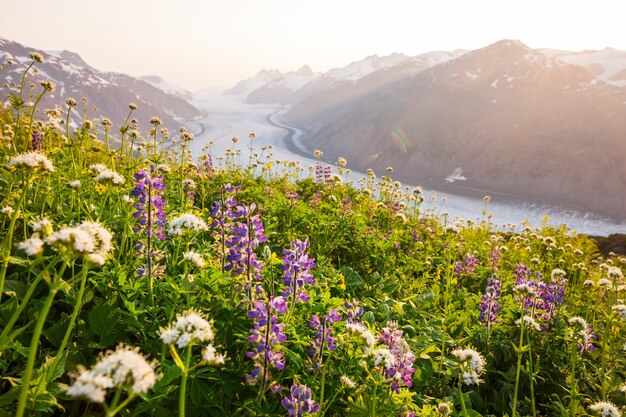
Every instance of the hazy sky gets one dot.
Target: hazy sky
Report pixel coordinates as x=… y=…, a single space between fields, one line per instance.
x=202 y=43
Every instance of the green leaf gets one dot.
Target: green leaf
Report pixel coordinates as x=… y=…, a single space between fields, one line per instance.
x=102 y=319
x=15 y=288
x=56 y=332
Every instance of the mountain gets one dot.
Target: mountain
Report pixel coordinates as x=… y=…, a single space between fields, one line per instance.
x=167 y=87
x=111 y=92
x=272 y=86
x=504 y=118
x=607 y=64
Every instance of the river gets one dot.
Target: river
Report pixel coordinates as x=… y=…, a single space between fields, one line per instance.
x=229 y=116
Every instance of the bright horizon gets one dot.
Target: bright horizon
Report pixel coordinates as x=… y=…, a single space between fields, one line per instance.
x=197 y=44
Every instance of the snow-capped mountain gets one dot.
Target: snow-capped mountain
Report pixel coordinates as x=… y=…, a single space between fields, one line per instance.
x=167 y=86
x=111 y=92
x=509 y=118
x=608 y=64
x=271 y=86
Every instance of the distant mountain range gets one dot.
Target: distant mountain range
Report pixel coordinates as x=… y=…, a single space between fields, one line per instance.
x=537 y=124
x=543 y=125
x=110 y=92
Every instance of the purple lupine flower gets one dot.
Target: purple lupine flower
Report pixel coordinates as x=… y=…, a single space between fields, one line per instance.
x=246 y=236
x=489 y=302
x=222 y=215
x=266 y=334
x=494 y=257
x=467 y=266
x=292 y=197
x=296 y=269
x=401 y=371
x=37 y=140
x=545 y=298
x=521 y=272
x=150 y=204
x=323 y=336
x=150 y=217
x=300 y=401
x=354 y=312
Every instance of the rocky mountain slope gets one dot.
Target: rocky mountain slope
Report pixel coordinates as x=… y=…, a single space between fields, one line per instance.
x=110 y=92
x=505 y=117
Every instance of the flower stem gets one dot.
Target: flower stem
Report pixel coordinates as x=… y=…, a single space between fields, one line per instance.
x=519 y=365
x=32 y=351
x=70 y=327
x=573 y=387
x=462 y=399
x=183 y=383
x=8 y=240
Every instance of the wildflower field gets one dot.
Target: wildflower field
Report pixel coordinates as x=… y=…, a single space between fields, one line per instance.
x=136 y=281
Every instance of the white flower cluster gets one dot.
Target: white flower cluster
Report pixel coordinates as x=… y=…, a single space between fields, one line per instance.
x=557 y=273
x=189 y=327
x=472 y=365
x=32 y=160
x=347 y=382
x=88 y=238
x=606 y=409
x=384 y=355
x=365 y=333
x=603 y=282
x=614 y=272
x=124 y=367
x=186 y=221
x=529 y=323
x=211 y=357
x=43 y=225
x=523 y=289
x=621 y=310
x=578 y=321
x=32 y=246
x=195 y=258
x=106 y=174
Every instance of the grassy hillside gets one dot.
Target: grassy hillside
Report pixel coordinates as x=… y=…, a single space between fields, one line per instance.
x=137 y=282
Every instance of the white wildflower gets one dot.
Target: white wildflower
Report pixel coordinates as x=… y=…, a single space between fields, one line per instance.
x=74 y=185
x=366 y=334
x=211 y=357
x=523 y=289
x=530 y=323
x=557 y=273
x=32 y=246
x=8 y=210
x=43 y=225
x=124 y=367
x=195 y=258
x=621 y=310
x=34 y=160
x=88 y=238
x=186 y=221
x=384 y=355
x=347 y=382
x=614 y=272
x=189 y=327
x=472 y=365
x=578 y=321
x=97 y=168
x=589 y=283
x=606 y=409
x=603 y=282
x=109 y=175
